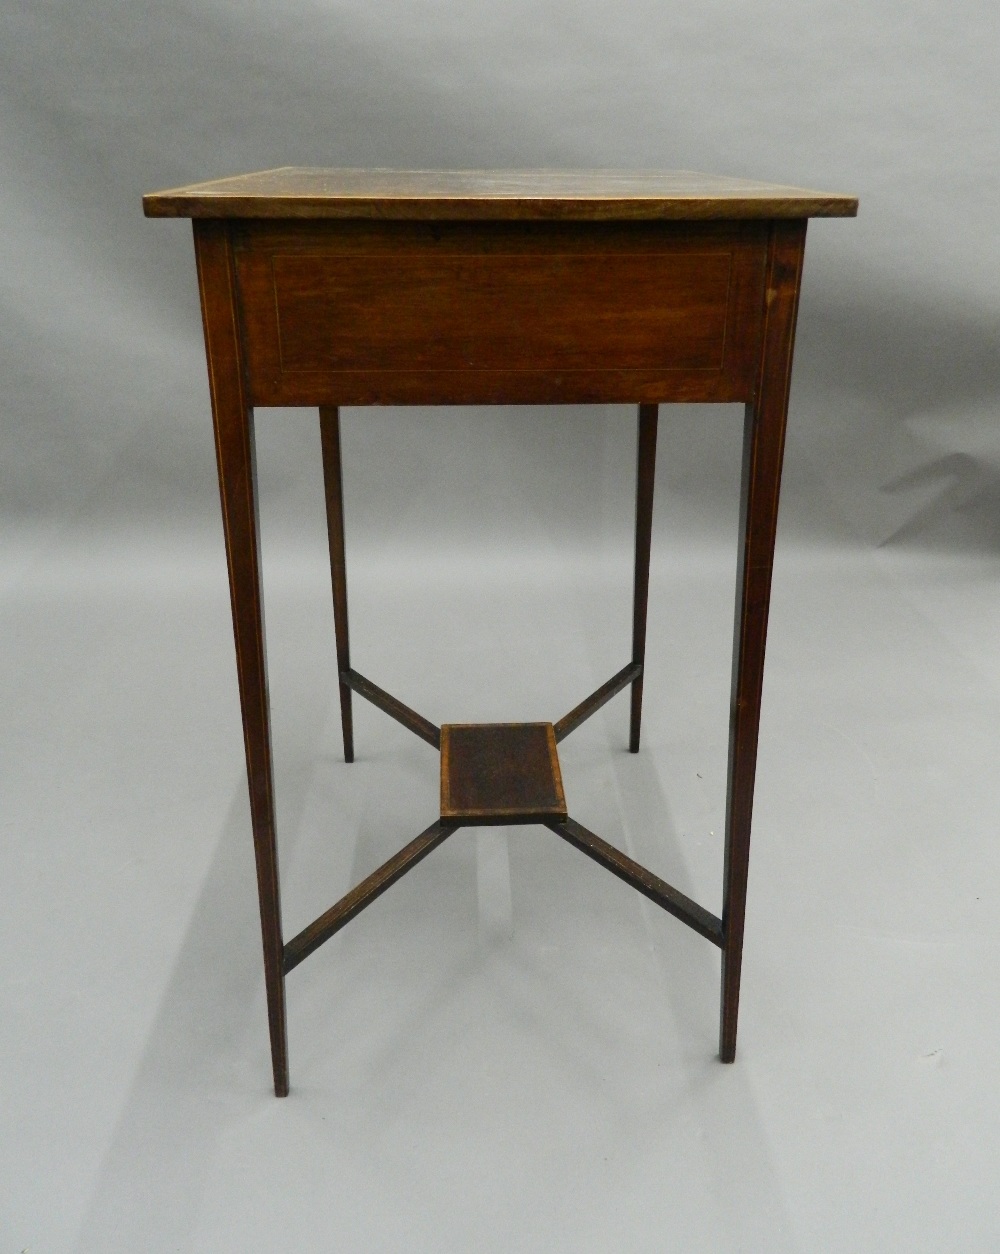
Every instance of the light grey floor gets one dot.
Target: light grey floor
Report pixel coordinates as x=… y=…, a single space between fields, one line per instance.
x=510 y=1050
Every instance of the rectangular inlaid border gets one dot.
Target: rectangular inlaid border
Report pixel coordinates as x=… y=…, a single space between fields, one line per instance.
x=730 y=377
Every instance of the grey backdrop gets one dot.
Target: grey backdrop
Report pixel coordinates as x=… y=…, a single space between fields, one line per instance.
x=103 y=102
x=132 y=1054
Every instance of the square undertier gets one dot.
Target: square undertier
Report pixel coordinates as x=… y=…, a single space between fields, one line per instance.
x=499 y=773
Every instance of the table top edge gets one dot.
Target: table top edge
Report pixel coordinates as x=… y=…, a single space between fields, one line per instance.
x=291 y=192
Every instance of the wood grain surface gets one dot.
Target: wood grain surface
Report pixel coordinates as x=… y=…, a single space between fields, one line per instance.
x=763 y=448
x=600 y=287
x=297 y=192
x=362 y=895
x=665 y=895
x=499 y=773
x=339 y=312
x=235 y=454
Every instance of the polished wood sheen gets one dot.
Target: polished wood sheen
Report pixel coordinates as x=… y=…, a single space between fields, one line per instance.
x=539 y=309
x=522 y=312
x=645 y=479
x=439 y=195
x=234 y=444
x=668 y=898
x=763 y=447
x=500 y=773
x=392 y=706
x=329 y=425
x=590 y=705
x=352 y=903
x=329 y=288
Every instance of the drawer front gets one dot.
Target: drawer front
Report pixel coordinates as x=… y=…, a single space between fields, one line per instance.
x=393 y=313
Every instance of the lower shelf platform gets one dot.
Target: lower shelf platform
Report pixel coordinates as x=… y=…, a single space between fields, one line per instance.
x=500 y=773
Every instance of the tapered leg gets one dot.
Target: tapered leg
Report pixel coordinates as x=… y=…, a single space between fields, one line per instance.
x=644 y=480
x=233 y=419
x=329 y=427
x=763 y=443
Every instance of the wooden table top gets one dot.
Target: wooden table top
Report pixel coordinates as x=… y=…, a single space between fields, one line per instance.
x=464 y=195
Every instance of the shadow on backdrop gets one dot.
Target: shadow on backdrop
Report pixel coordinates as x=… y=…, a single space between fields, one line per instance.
x=897 y=397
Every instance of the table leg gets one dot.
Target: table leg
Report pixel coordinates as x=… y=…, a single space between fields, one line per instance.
x=763 y=444
x=329 y=426
x=644 y=480
x=234 y=440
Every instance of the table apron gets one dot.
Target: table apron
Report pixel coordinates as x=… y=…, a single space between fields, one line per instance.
x=356 y=313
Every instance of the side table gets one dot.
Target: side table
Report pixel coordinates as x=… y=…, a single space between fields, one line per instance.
x=373 y=287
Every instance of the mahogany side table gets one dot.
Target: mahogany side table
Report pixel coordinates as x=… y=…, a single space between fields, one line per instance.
x=374 y=287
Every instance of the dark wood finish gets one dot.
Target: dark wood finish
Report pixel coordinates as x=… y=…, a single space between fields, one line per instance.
x=388 y=704
x=234 y=444
x=645 y=478
x=590 y=705
x=763 y=445
x=645 y=882
x=296 y=192
x=500 y=773
x=329 y=425
x=523 y=311
x=500 y=312
x=328 y=288
x=352 y=903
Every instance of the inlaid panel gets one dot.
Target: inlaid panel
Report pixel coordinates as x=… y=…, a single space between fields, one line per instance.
x=557 y=311
x=359 y=313
x=500 y=773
